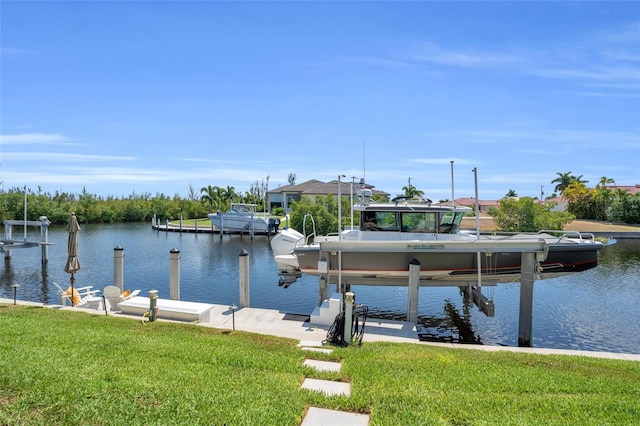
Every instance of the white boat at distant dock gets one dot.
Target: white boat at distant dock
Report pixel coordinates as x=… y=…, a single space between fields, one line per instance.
x=242 y=217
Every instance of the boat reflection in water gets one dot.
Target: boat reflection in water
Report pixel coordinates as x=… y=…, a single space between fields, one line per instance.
x=451 y=326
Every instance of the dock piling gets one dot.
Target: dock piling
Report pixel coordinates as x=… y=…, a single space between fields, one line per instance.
x=526 y=299
x=174 y=274
x=44 y=239
x=118 y=267
x=244 y=278
x=323 y=268
x=414 y=285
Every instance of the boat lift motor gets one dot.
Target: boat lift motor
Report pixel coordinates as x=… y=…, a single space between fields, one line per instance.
x=274 y=225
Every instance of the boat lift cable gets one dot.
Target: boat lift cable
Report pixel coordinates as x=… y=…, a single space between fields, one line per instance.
x=335 y=335
x=357 y=332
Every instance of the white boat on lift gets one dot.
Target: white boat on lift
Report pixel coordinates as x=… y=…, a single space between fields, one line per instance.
x=242 y=217
x=393 y=234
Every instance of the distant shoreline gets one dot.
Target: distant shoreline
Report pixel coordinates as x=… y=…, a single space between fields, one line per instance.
x=487 y=224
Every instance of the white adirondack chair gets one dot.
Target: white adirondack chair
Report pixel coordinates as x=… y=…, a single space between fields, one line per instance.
x=80 y=294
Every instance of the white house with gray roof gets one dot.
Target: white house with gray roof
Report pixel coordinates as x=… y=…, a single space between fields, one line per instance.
x=311 y=189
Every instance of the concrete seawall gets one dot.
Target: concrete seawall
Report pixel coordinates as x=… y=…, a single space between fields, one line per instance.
x=618 y=235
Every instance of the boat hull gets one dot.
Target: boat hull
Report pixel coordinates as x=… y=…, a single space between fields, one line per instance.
x=238 y=223
x=437 y=267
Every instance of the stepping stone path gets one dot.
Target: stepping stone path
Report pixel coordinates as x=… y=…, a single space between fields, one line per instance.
x=328 y=387
x=322 y=365
x=321 y=416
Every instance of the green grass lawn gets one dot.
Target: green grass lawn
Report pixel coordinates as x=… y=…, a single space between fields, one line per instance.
x=65 y=367
x=202 y=223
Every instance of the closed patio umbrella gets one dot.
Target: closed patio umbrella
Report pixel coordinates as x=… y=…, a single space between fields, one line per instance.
x=73 y=264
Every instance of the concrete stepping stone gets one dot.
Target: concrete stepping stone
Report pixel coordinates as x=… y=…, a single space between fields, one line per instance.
x=323 y=365
x=311 y=343
x=328 y=387
x=313 y=346
x=323 y=417
x=321 y=350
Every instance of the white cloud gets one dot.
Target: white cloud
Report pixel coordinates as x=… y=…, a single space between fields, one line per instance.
x=545 y=136
x=607 y=57
x=594 y=73
x=61 y=157
x=623 y=34
x=33 y=138
x=463 y=58
x=14 y=51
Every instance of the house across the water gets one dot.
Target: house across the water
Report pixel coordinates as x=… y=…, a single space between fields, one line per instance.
x=312 y=189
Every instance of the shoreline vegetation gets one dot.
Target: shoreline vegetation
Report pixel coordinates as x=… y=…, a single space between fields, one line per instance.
x=90 y=208
x=69 y=367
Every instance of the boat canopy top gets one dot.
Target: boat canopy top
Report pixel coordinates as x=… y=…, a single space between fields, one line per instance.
x=243 y=208
x=409 y=204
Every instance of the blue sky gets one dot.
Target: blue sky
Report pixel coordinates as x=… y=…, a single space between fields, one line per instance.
x=154 y=97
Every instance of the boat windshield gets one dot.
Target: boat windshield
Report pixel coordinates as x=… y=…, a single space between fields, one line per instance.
x=419 y=222
x=378 y=221
x=450 y=222
x=416 y=222
x=242 y=208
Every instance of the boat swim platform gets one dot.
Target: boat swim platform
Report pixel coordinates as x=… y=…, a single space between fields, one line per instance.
x=294 y=326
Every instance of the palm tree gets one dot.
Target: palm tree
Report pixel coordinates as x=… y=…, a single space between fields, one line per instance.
x=621 y=194
x=212 y=196
x=228 y=195
x=511 y=194
x=412 y=191
x=603 y=197
x=579 y=179
x=565 y=179
x=604 y=181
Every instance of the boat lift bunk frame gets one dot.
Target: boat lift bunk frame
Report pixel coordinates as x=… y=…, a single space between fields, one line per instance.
x=532 y=253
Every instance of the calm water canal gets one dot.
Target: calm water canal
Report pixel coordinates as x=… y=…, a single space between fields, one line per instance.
x=595 y=310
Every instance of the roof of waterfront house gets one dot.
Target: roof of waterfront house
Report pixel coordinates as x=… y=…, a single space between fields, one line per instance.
x=631 y=189
x=316 y=187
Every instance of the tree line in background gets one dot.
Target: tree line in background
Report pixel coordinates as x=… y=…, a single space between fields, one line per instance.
x=599 y=203
x=512 y=214
x=91 y=208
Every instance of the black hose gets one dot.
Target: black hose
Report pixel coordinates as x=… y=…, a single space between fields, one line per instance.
x=335 y=335
x=358 y=332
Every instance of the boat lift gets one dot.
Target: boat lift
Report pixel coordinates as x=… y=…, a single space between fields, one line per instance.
x=8 y=243
x=532 y=253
